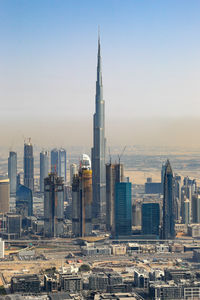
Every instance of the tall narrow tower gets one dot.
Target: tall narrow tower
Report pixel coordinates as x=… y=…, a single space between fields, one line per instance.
x=99 y=145
x=168 y=226
x=28 y=165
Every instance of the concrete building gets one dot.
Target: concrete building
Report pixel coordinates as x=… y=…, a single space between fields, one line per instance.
x=12 y=171
x=99 y=147
x=82 y=199
x=71 y=283
x=44 y=168
x=118 y=249
x=4 y=195
x=53 y=205
x=114 y=174
x=28 y=165
x=186 y=212
x=194 y=230
x=25 y=284
x=168 y=223
x=2 y=248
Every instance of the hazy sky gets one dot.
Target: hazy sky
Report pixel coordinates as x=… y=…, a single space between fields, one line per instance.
x=151 y=70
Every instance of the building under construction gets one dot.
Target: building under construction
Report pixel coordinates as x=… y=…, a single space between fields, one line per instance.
x=53 y=205
x=114 y=174
x=82 y=199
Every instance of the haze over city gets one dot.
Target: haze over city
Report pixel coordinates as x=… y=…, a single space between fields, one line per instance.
x=151 y=69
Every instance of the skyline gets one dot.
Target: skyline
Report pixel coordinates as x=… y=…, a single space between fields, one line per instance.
x=150 y=72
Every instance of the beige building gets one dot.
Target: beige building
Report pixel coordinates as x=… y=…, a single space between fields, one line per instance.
x=118 y=249
x=4 y=195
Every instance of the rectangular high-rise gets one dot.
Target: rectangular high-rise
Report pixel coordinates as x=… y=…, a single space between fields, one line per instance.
x=12 y=171
x=150 y=218
x=114 y=174
x=123 y=209
x=54 y=161
x=28 y=166
x=99 y=148
x=53 y=205
x=82 y=199
x=62 y=165
x=44 y=168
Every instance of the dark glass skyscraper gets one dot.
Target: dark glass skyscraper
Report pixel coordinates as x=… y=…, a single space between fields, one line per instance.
x=24 y=201
x=98 y=150
x=150 y=218
x=12 y=171
x=44 y=168
x=168 y=224
x=123 y=209
x=28 y=165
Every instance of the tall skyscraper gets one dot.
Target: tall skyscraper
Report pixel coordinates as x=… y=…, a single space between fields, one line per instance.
x=73 y=171
x=28 y=165
x=123 y=209
x=54 y=161
x=150 y=218
x=4 y=195
x=53 y=205
x=44 y=168
x=114 y=174
x=99 y=146
x=168 y=224
x=12 y=171
x=62 y=165
x=82 y=199
x=196 y=208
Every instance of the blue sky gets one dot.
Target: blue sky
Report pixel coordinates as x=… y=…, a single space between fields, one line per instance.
x=150 y=49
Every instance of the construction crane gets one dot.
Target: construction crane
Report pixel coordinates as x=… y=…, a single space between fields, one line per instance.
x=119 y=156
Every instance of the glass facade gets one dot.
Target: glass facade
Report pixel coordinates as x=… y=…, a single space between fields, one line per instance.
x=123 y=209
x=150 y=218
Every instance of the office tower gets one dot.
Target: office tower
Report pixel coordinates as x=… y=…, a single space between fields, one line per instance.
x=114 y=174
x=18 y=180
x=123 y=209
x=62 y=164
x=186 y=212
x=14 y=224
x=4 y=195
x=24 y=201
x=12 y=171
x=44 y=168
x=98 y=150
x=73 y=171
x=28 y=166
x=168 y=230
x=82 y=199
x=136 y=214
x=150 y=218
x=196 y=208
x=53 y=205
x=177 y=196
x=54 y=161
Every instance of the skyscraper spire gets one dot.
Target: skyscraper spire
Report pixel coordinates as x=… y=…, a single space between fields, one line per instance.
x=98 y=150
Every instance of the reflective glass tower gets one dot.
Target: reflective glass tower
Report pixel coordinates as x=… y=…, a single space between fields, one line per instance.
x=44 y=168
x=98 y=150
x=123 y=209
x=168 y=226
x=28 y=166
x=54 y=160
x=12 y=171
x=150 y=218
x=62 y=164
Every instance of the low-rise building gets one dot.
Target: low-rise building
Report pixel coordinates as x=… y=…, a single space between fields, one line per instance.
x=25 y=284
x=118 y=249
